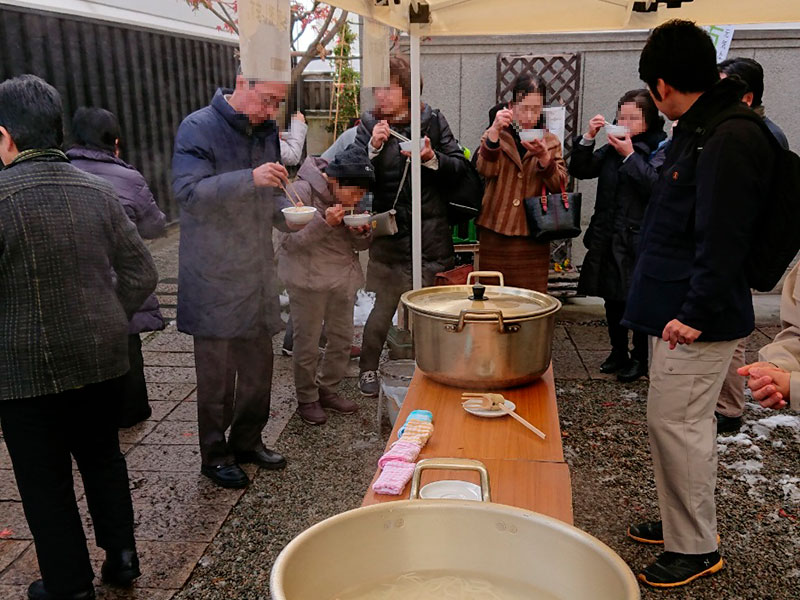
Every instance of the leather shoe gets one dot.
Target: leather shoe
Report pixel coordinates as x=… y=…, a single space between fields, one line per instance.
x=312 y=413
x=635 y=370
x=227 y=476
x=36 y=591
x=266 y=459
x=616 y=360
x=727 y=424
x=121 y=567
x=336 y=403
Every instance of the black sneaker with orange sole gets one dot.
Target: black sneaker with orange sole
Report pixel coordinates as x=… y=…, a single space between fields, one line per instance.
x=671 y=569
x=649 y=532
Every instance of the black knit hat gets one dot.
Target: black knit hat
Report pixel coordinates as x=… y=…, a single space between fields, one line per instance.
x=353 y=165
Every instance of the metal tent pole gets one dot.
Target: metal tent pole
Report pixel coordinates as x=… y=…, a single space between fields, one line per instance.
x=416 y=163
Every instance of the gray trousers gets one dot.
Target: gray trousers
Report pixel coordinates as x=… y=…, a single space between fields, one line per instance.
x=684 y=387
x=310 y=310
x=234 y=384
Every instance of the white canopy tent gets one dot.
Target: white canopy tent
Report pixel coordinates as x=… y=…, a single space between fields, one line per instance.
x=506 y=17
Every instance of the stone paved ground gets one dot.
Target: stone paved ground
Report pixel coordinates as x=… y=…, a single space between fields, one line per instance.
x=200 y=542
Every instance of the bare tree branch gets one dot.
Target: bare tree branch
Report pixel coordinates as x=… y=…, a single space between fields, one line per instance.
x=323 y=39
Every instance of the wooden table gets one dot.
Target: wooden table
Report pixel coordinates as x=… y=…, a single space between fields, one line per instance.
x=524 y=470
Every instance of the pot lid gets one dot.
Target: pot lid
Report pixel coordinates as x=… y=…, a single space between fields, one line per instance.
x=448 y=301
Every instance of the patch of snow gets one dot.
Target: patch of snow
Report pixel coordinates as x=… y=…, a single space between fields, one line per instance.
x=745 y=466
x=284 y=299
x=763 y=427
x=629 y=395
x=791 y=491
x=777 y=444
x=365 y=301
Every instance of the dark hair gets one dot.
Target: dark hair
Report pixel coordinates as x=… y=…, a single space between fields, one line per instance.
x=527 y=84
x=95 y=128
x=30 y=109
x=748 y=71
x=681 y=54
x=400 y=73
x=644 y=102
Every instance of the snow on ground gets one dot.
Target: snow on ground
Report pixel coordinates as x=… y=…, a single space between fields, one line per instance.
x=364 y=303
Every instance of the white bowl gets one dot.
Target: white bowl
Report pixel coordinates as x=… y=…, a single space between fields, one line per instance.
x=357 y=220
x=298 y=215
x=616 y=130
x=406 y=146
x=528 y=135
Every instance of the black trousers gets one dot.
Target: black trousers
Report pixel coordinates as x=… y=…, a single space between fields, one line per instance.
x=42 y=434
x=615 y=310
x=135 y=404
x=234 y=384
x=377 y=326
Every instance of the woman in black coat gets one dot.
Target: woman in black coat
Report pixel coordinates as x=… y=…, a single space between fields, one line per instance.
x=627 y=170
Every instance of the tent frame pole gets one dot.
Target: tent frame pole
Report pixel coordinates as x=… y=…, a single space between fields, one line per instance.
x=416 y=162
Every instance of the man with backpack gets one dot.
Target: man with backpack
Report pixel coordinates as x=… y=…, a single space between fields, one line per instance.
x=690 y=290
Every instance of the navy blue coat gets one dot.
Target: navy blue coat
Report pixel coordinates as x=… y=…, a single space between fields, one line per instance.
x=623 y=191
x=699 y=225
x=226 y=273
x=141 y=208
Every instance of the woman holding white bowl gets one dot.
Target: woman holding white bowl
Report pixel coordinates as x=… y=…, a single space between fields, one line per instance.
x=517 y=157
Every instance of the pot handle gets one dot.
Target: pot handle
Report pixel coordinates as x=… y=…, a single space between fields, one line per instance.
x=451 y=464
x=475 y=274
x=462 y=320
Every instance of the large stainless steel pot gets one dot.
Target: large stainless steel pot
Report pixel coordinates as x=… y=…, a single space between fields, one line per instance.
x=488 y=541
x=488 y=337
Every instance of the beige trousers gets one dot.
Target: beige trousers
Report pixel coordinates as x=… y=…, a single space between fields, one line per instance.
x=731 y=397
x=310 y=310
x=684 y=387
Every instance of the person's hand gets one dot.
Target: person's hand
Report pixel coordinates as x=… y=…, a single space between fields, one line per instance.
x=334 y=215
x=270 y=175
x=298 y=116
x=502 y=119
x=540 y=151
x=380 y=133
x=677 y=333
x=361 y=229
x=770 y=385
x=426 y=153
x=623 y=146
x=596 y=123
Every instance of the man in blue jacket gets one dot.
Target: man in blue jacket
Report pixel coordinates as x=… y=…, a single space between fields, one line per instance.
x=689 y=289
x=225 y=173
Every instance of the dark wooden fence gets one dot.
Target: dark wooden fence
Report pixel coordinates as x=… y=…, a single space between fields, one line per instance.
x=151 y=80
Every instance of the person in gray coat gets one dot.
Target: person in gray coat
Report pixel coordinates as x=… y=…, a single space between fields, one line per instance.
x=320 y=267
x=63 y=348
x=96 y=133
x=225 y=174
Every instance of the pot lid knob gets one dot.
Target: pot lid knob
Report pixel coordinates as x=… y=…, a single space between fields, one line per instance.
x=478 y=292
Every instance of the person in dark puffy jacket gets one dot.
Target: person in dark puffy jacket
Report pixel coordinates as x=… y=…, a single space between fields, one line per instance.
x=96 y=150
x=389 y=273
x=626 y=174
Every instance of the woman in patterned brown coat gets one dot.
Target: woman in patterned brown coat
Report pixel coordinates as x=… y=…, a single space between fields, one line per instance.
x=515 y=170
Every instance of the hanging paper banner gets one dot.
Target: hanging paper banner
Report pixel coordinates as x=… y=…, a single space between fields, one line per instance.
x=722 y=36
x=375 y=49
x=264 y=40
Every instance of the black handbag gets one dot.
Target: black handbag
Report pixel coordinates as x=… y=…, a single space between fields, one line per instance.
x=554 y=216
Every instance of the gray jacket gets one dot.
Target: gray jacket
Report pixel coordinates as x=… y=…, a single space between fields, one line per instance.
x=141 y=208
x=64 y=324
x=320 y=257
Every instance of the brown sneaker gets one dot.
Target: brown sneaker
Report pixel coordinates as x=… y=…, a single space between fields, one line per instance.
x=312 y=413
x=335 y=402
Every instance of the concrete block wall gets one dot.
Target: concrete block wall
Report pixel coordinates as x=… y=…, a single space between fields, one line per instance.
x=460 y=75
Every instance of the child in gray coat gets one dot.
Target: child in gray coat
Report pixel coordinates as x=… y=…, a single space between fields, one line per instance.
x=319 y=266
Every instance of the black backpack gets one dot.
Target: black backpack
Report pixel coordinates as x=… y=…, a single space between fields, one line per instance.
x=778 y=241
x=465 y=196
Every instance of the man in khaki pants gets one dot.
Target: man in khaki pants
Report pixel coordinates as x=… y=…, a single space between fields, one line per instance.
x=689 y=290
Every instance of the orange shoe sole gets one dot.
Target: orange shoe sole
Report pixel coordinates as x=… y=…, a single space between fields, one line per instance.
x=710 y=571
